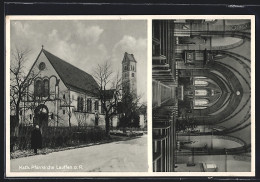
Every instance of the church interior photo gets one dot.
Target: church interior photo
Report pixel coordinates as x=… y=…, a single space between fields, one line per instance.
x=201 y=70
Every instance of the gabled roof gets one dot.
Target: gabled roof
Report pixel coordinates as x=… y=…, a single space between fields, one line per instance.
x=128 y=57
x=72 y=76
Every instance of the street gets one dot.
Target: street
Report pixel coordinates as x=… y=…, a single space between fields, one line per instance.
x=121 y=156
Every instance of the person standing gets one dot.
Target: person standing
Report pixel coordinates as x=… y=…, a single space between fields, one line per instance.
x=36 y=139
x=96 y=118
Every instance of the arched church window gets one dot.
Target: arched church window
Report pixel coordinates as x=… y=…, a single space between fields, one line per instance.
x=56 y=91
x=133 y=74
x=201 y=102
x=96 y=105
x=202 y=92
x=45 y=87
x=200 y=83
x=89 y=105
x=80 y=103
x=38 y=88
x=52 y=84
x=102 y=108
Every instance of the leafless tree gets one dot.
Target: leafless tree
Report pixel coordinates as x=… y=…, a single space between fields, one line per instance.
x=109 y=91
x=131 y=108
x=20 y=80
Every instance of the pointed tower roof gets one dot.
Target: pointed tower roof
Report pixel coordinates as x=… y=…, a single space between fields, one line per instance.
x=128 y=58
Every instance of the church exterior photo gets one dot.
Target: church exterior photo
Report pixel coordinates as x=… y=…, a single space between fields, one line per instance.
x=62 y=95
x=76 y=96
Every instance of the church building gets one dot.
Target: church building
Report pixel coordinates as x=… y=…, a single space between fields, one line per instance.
x=129 y=74
x=129 y=82
x=60 y=95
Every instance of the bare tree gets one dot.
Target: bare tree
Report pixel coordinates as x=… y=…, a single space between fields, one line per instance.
x=20 y=80
x=130 y=107
x=109 y=91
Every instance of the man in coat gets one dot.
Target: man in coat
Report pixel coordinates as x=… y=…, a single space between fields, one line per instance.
x=36 y=139
x=96 y=118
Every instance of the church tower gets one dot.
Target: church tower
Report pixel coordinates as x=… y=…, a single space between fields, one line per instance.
x=129 y=74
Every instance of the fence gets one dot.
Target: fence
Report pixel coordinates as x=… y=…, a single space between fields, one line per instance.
x=55 y=137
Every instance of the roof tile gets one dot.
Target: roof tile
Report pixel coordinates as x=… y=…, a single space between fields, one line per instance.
x=72 y=76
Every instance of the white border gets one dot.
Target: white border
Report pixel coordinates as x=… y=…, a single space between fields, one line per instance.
x=149 y=19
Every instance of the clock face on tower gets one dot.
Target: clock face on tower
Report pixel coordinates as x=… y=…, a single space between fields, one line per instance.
x=42 y=66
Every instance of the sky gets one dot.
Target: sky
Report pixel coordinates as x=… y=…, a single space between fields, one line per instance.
x=86 y=43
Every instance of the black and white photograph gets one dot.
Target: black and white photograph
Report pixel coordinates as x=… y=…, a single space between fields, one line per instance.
x=201 y=100
x=135 y=96
x=78 y=95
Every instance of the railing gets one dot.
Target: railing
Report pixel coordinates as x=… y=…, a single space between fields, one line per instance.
x=236 y=44
x=218 y=135
x=208 y=151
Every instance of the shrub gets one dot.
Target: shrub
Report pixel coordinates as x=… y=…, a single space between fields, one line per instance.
x=54 y=137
